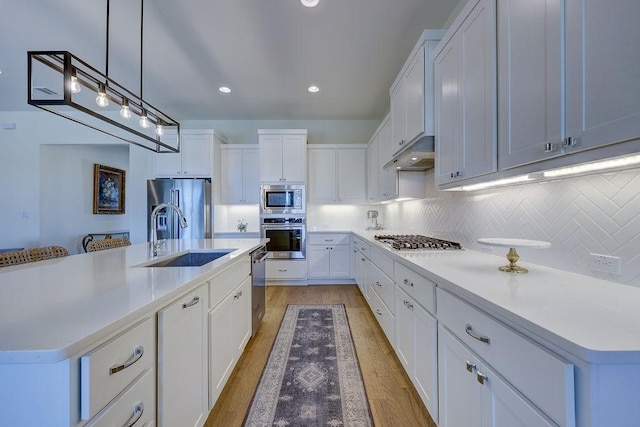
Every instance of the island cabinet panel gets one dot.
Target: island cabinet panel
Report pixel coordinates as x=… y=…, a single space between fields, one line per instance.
x=182 y=361
x=542 y=377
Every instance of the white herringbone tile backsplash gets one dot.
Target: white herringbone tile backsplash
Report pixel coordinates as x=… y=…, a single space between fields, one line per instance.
x=579 y=216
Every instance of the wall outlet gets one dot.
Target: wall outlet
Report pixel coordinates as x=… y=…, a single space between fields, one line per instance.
x=606 y=263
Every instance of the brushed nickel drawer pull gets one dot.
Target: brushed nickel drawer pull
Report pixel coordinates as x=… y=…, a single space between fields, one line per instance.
x=138 y=410
x=378 y=312
x=481 y=377
x=137 y=354
x=469 y=330
x=407 y=282
x=470 y=366
x=191 y=303
x=378 y=284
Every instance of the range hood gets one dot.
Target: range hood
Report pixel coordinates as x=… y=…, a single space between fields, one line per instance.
x=418 y=156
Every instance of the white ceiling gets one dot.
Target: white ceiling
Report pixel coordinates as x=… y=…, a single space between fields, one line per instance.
x=267 y=51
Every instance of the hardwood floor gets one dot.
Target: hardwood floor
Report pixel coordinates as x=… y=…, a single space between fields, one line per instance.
x=392 y=398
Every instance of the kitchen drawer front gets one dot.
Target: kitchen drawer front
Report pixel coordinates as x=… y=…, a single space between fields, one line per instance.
x=109 y=368
x=382 y=261
x=286 y=270
x=362 y=246
x=327 y=239
x=541 y=376
x=223 y=283
x=419 y=287
x=383 y=285
x=384 y=317
x=137 y=403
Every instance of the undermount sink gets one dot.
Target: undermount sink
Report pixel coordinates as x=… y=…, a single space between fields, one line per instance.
x=192 y=259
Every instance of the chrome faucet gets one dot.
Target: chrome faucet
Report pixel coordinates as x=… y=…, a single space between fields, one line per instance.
x=155 y=244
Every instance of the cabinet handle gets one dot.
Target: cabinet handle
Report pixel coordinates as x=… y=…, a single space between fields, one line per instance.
x=137 y=354
x=481 y=377
x=238 y=295
x=408 y=305
x=570 y=141
x=469 y=330
x=407 y=282
x=191 y=303
x=550 y=147
x=378 y=312
x=361 y=259
x=354 y=251
x=283 y=271
x=138 y=410
x=378 y=284
x=470 y=366
x=328 y=240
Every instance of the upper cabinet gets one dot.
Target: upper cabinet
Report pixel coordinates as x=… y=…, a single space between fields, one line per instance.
x=195 y=158
x=337 y=173
x=465 y=95
x=240 y=178
x=412 y=94
x=283 y=155
x=373 y=170
x=387 y=178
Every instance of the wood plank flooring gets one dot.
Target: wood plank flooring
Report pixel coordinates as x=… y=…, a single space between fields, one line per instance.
x=392 y=398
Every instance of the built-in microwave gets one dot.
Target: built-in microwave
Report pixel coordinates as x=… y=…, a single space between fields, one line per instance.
x=282 y=199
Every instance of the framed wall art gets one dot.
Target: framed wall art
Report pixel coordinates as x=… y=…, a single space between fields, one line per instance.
x=108 y=190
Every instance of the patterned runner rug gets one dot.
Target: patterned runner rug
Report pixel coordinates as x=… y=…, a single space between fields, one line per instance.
x=312 y=377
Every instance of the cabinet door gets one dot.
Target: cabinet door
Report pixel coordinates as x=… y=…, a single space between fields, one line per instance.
x=530 y=92
x=270 y=158
x=242 y=315
x=168 y=164
x=318 y=261
x=372 y=170
x=602 y=71
x=251 y=175
x=405 y=331
x=398 y=116
x=426 y=359
x=222 y=351
x=294 y=158
x=340 y=261
x=182 y=355
x=415 y=95
x=322 y=175
x=351 y=175
x=196 y=155
x=388 y=178
x=231 y=170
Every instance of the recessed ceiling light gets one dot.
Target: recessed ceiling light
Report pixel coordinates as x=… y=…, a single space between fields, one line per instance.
x=313 y=89
x=310 y=3
x=224 y=89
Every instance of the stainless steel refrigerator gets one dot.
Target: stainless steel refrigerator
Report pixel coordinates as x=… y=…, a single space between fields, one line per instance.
x=192 y=196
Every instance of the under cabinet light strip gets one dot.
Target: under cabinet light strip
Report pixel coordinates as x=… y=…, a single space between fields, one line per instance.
x=497 y=183
x=592 y=167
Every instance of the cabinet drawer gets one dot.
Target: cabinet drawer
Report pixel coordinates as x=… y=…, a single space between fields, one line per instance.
x=226 y=281
x=108 y=369
x=382 y=261
x=383 y=316
x=327 y=239
x=136 y=404
x=286 y=270
x=362 y=246
x=419 y=287
x=383 y=285
x=544 y=378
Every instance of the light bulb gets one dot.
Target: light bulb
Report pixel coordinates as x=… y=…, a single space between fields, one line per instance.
x=144 y=120
x=102 y=99
x=159 y=130
x=125 y=111
x=74 y=85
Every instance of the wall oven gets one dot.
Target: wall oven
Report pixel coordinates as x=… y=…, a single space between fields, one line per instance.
x=280 y=199
x=287 y=234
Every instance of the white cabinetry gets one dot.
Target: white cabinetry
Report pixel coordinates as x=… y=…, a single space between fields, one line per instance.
x=361 y=265
x=373 y=170
x=328 y=256
x=465 y=95
x=283 y=155
x=295 y=270
x=382 y=291
x=387 y=177
x=336 y=174
x=240 y=177
x=182 y=361
x=412 y=94
x=195 y=158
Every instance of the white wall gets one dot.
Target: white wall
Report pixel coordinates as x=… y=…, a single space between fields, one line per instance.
x=581 y=215
x=66 y=193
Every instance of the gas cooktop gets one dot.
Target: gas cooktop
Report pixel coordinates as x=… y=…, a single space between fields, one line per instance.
x=416 y=241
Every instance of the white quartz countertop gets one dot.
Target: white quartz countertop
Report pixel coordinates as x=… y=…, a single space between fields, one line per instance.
x=593 y=319
x=51 y=309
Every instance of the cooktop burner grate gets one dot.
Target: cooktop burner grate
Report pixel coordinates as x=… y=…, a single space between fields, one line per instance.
x=416 y=241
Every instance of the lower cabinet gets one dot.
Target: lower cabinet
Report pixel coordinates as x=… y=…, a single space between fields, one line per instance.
x=381 y=290
x=472 y=394
x=278 y=269
x=182 y=361
x=416 y=347
x=229 y=332
x=328 y=256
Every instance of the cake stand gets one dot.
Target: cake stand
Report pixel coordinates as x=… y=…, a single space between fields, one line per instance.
x=512 y=255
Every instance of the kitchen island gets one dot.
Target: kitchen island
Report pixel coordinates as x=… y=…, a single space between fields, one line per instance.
x=61 y=318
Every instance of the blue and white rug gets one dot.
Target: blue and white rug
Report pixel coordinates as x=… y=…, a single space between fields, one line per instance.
x=312 y=377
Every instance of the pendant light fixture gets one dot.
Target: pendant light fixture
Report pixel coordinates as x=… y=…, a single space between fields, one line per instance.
x=56 y=80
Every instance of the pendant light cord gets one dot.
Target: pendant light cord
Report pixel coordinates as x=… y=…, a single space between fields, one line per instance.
x=141 y=34
x=106 y=70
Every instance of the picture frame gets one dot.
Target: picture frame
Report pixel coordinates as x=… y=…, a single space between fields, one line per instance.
x=108 y=190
